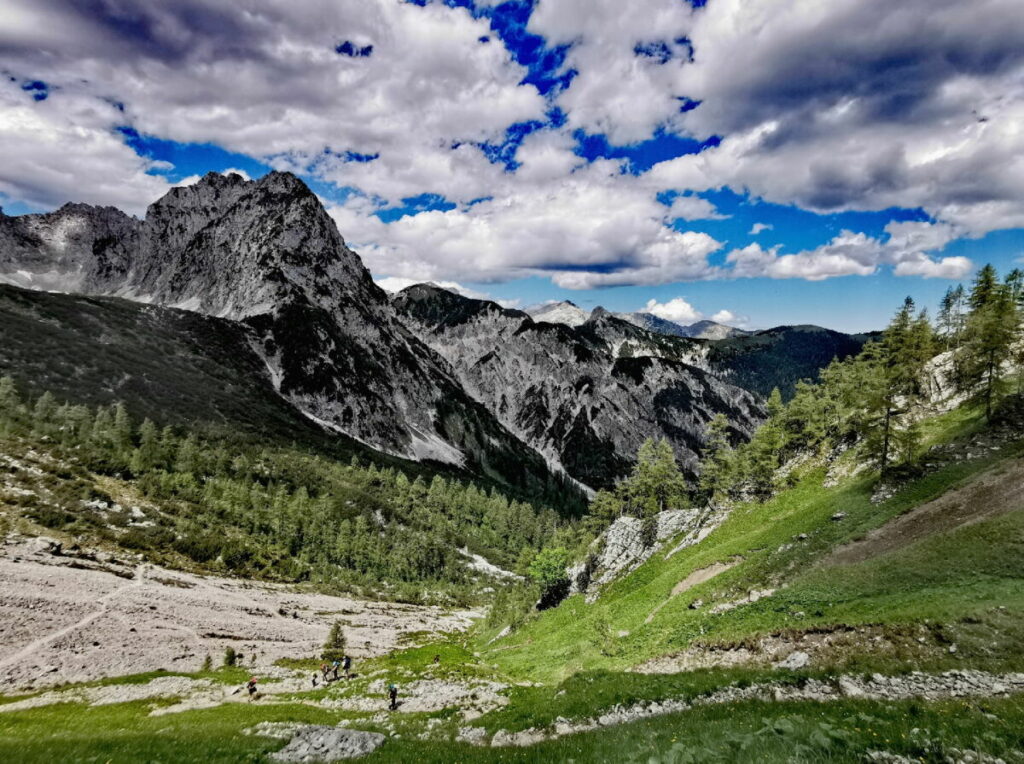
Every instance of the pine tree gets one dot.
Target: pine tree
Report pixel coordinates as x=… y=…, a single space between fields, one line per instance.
x=43 y=414
x=764 y=452
x=122 y=428
x=10 y=405
x=989 y=334
x=901 y=356
x=334 y=647
x=147 y=455
x=716 y=466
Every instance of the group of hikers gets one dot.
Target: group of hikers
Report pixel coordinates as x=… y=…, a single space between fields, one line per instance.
x=329 y=671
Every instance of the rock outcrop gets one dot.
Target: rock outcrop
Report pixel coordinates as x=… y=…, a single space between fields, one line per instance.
x=622 y=547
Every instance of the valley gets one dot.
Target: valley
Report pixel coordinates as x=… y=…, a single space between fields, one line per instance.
x=226 y=454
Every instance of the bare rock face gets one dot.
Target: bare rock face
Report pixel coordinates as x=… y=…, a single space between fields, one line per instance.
x=78 y=248
x=266 y=254
x=622 y=547
x=571 y=392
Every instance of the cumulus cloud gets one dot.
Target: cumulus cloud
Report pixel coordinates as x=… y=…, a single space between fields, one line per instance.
x=677 y=309
x=682 y=312
x=270 y=82
x=850 y=104
x=861 y=104
x=908 y=249
x=726 y=317
x=64 y=148
x=758 y=227
x=629 y=65
x=592 y=228
x=693 y=208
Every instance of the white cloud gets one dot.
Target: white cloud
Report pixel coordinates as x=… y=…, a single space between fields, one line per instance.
x=726 y=317
x=617 y=92
x=946 y=268
x=595 y=218
x=850 y=104
x=693 y=208
x=269 y=82
x=909 y=249
x=65 y=149
x=861 y=104
x=682 y=312
x=677 y=309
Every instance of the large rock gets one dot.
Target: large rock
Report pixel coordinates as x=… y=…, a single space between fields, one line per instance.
x=322 y=744
x=621 y=548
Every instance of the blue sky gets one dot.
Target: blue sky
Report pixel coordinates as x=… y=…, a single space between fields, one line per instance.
x=769 y=162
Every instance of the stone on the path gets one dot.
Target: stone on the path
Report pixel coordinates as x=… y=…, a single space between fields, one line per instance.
x=318 y=743
x=795 y=660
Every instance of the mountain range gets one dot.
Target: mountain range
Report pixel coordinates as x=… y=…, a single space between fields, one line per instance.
x=428 y=375
x=570 y=314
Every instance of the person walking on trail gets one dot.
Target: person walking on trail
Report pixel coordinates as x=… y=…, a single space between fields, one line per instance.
x=393 y=696
x=347 y=665
x=314 y=679
x=325 y=670
x=335 y=665
x=251 y=687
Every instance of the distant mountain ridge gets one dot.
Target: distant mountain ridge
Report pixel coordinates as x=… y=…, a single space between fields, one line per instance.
x=569 y=314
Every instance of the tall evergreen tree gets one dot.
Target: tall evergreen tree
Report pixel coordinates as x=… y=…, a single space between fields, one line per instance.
x=716 y=465
x=991 y=329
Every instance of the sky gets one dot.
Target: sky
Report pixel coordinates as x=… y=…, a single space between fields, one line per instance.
x=758 y=162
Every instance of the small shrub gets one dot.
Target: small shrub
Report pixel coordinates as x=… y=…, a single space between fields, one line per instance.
x=230 y=657
x=334 y=647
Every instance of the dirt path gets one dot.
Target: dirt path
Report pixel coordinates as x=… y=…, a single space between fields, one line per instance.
x=37 y=644
x=993 y=493
x=64 y=619
x=692 y=580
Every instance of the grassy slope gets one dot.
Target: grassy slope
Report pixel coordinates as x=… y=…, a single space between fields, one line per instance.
x=966 y=583
x=958 y=575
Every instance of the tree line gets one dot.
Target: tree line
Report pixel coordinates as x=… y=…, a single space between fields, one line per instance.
x=875 y=400
x=280 y=513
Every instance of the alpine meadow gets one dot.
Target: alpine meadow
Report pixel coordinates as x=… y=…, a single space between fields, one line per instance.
x=512 y=381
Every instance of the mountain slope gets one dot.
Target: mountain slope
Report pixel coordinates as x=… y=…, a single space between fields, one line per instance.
x=570 y=392
x=780 y=357
x=827 y=571
x=266 y=254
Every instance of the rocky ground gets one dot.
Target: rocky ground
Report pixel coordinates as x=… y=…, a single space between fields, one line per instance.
x=951 y=684
x=78 y=615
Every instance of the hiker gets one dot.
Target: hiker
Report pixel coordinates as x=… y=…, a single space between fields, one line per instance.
x=325 y=670
x=314 y=679
x=335 y=665
x=251 y=687
x=393 y=695
x=347 y=665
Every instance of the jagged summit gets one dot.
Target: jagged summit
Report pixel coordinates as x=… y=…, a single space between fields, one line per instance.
x=266 y=254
